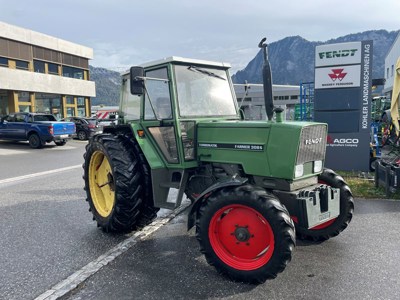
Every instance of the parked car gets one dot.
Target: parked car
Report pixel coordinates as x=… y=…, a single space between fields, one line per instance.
x=85 y=127
x=36 y=128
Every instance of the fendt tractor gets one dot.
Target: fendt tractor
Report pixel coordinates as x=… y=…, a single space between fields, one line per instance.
x=253 y=185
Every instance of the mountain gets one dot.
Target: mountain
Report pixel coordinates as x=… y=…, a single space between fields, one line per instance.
x=108 y=84
x=292 y=62
x=292 y=58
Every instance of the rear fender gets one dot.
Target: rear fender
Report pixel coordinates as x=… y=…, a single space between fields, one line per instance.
x=204 y=195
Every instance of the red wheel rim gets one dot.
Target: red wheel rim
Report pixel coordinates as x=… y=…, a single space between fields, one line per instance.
x=241 y=237
x=327 y=223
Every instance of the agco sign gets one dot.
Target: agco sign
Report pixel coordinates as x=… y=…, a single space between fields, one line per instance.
x=342 y=142
x=343 y=53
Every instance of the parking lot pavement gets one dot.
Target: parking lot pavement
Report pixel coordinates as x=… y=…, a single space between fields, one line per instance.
x=17 y=158
x=361 y=263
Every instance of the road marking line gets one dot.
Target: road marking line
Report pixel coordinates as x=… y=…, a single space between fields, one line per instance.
x=39 y=174
x=73 y=281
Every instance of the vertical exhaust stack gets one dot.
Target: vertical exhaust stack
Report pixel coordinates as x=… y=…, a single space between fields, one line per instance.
x=267 y=81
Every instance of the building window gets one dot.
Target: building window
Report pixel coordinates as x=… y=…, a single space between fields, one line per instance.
x=3 y=62
x=23 y=65
x=72 y=72
x=53 y=68
x=70 y=100
x=70 y=111
x=38 y=66
x=293 y=97
x=81 y=106
x=387 y=72
x=392 y=70
x=24 y=97
x=3 y=103
x=25 y=108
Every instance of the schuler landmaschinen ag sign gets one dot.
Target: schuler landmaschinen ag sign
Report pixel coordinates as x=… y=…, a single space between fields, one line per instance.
x=342 y=99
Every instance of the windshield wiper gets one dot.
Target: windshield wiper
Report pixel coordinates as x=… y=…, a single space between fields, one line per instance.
x=197 y=69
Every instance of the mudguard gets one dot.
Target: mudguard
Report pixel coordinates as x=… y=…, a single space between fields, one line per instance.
x=204 y=195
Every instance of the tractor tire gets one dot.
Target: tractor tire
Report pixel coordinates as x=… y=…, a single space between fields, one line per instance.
x=245 y=233
x=148 y=211
x=333 y=227
x=35 y=142
x=114 y=183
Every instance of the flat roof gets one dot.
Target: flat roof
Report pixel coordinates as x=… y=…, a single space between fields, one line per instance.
x=43 y=40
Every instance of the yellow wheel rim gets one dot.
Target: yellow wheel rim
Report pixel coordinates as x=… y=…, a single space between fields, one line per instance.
x=101 y=182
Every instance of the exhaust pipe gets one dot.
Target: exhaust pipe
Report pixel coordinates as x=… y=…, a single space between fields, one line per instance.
x=267 y=81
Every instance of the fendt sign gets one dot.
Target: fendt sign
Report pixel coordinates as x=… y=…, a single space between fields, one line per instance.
x=342 y=99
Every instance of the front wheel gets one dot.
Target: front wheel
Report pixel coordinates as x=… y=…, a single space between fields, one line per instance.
x=245 y=233
x=333 y=227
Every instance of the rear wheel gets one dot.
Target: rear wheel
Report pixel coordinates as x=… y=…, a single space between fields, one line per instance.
x=245 y=233
x=60 y=143
x=333 y=227
x=114 y=183
x=34 y=141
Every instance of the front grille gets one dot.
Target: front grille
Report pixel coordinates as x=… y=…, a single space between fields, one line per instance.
x=312 y=143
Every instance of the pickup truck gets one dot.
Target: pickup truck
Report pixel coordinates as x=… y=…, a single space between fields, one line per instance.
x=36 y=128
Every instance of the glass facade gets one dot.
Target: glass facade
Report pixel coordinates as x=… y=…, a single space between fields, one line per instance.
x=49 y=103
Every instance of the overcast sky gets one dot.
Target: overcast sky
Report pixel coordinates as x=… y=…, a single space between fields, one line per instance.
x=129 y=32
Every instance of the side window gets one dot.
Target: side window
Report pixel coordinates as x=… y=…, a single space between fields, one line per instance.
x=19 y=118
x=10 y=118
x=130 y=104
x=158 y=95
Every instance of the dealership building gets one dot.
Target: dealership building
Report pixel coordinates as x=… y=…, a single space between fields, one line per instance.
x=41 y=73
x=390 y=66
x=251 y=100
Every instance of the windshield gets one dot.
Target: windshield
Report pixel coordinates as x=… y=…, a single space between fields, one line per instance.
x=203 y=92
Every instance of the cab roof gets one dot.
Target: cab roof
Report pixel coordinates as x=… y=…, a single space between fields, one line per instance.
x=178 y=59
x=172 y=59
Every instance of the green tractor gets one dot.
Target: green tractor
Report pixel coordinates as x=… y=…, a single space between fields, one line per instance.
x=254 y=185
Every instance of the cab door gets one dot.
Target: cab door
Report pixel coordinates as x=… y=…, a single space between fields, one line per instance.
x=158 y=118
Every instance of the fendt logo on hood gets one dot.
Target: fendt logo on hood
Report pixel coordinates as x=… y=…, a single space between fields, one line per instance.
x=337 y=74
x=342 y=142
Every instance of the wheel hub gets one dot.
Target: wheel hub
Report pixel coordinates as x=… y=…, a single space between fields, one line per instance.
x=242 y=234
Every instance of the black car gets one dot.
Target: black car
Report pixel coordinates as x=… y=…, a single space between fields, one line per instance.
x=85 y=127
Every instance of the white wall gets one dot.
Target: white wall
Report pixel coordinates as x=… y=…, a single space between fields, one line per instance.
x=21 y=80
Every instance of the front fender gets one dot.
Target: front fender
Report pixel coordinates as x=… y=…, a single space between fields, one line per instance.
x=204 y=195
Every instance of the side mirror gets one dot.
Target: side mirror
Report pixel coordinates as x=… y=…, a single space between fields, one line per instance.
x=137 y=81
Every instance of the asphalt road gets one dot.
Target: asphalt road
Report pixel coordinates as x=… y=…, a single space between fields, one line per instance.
x=47 y=235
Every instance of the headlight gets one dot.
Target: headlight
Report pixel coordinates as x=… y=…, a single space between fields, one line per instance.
x=298 y=171
x=317 y=166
